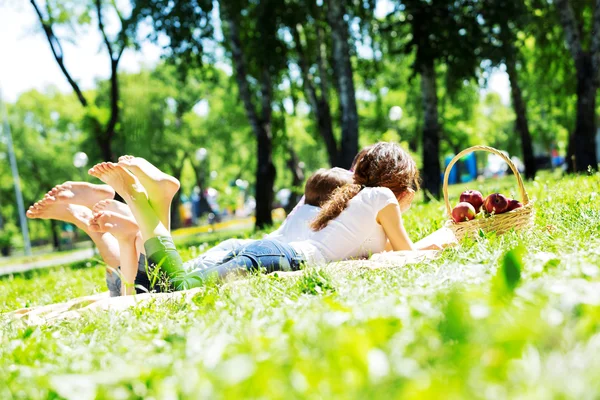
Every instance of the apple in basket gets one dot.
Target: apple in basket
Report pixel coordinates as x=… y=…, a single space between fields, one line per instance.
x=496 y=203
x=473 y=197
x=463 y=212
x=513 y=205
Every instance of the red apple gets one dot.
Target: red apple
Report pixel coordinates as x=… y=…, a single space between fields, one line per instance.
x=513 y=204
x=463 y=212
x=495 y=203
x=473 y=197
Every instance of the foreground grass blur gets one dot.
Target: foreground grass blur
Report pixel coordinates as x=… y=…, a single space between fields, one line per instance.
x=516 y=316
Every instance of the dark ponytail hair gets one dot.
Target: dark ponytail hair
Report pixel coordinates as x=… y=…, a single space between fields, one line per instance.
x=383 y=164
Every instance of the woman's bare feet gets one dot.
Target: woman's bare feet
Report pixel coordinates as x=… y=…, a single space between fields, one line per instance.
x=126 y=230
x=51 y=208
x=161 y=187
x=82 y=193
x=120 y=226
x=133 y=192
x=114 y=206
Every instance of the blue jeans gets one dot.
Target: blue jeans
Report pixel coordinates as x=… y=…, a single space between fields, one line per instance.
x=268 y=254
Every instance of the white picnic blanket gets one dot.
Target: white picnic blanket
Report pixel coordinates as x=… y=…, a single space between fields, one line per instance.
x=76 y=307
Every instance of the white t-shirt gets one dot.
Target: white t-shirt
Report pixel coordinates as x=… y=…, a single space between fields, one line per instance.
x=296 y=226
x=355 y=233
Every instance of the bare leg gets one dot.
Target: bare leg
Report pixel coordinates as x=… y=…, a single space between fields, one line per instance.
x=123 y=209
x=134 y=193
x=80 y=216
x=160 y=187
x=125 y=229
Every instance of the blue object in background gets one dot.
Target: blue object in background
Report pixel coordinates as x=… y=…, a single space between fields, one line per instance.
x=453 y=177
x=469 y=170
x=467 y=166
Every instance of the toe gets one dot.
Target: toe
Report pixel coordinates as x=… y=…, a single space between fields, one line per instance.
x=94 y=227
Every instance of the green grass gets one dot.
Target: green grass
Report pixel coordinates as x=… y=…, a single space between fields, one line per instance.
x=514 y=316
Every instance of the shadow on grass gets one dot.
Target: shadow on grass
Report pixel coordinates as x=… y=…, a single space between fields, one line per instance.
x=40 y=272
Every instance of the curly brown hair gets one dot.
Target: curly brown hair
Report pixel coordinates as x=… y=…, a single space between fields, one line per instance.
x=321 y=185
x=382 y=165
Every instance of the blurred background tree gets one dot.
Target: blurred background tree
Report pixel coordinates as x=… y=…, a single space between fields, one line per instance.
x=251 y=97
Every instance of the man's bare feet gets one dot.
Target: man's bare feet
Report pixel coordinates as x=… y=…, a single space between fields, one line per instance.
x=82 y=193
x=161 y=187
x=120 y=226
x=114 y=206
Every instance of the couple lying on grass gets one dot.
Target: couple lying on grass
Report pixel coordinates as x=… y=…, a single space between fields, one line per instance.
x=346 y=215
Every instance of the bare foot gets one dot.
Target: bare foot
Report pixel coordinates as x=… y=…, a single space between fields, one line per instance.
x=82 y=193
x=131 y=190
x=51 y=208
x=123 y=181
x=120 y=226
x=161 y=187
x=114 y=206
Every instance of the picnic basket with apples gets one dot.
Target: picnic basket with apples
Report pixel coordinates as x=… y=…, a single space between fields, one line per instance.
x=498 y=214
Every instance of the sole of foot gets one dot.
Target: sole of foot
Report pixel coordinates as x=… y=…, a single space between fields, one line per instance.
x=81 y=193
x=120 y=179
x=114 y=206
x=161 y=187
x=51 y=208
x=120 y=226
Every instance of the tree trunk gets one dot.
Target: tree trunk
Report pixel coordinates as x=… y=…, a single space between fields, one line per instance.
x=319 y=104
x=55 y=235
x=175 y=216
x=582 y=143
x=297 y=179
x=342 y=67
x=582 y=146
x=114 y=111
x=431 y=131
x=521 y=121
x=261 y=126
x=265 y=179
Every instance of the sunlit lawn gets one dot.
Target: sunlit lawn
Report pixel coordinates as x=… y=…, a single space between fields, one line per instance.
x=449 y=328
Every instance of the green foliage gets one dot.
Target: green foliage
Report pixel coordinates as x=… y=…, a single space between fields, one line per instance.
x=429 y=330
x=512 y=264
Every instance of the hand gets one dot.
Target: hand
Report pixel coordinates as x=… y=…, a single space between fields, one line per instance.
x=432 y=247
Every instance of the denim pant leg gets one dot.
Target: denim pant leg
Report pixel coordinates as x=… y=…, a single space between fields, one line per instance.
x=269 y=254
x=216 y=255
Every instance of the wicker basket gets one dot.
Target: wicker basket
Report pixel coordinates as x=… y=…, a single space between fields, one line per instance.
x=520 y=218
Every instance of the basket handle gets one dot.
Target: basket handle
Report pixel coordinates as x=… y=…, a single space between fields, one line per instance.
x=524 y=196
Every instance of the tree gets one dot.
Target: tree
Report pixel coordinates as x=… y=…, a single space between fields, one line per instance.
x=342 y=66
x=258 y=58
x=322 y=49
x=60 y=13
x=318 y=99
x=46 y=135
x=503 y=20
x=444 y=31
x=582 y=142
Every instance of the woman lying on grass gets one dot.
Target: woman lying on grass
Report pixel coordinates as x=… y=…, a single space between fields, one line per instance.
x=357 y=221
x=112 y=226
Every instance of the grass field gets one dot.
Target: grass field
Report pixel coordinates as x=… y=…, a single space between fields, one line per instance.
x=508 y=317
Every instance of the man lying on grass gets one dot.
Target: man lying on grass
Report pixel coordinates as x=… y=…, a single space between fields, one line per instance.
x=114 y=230
x=358 y=220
